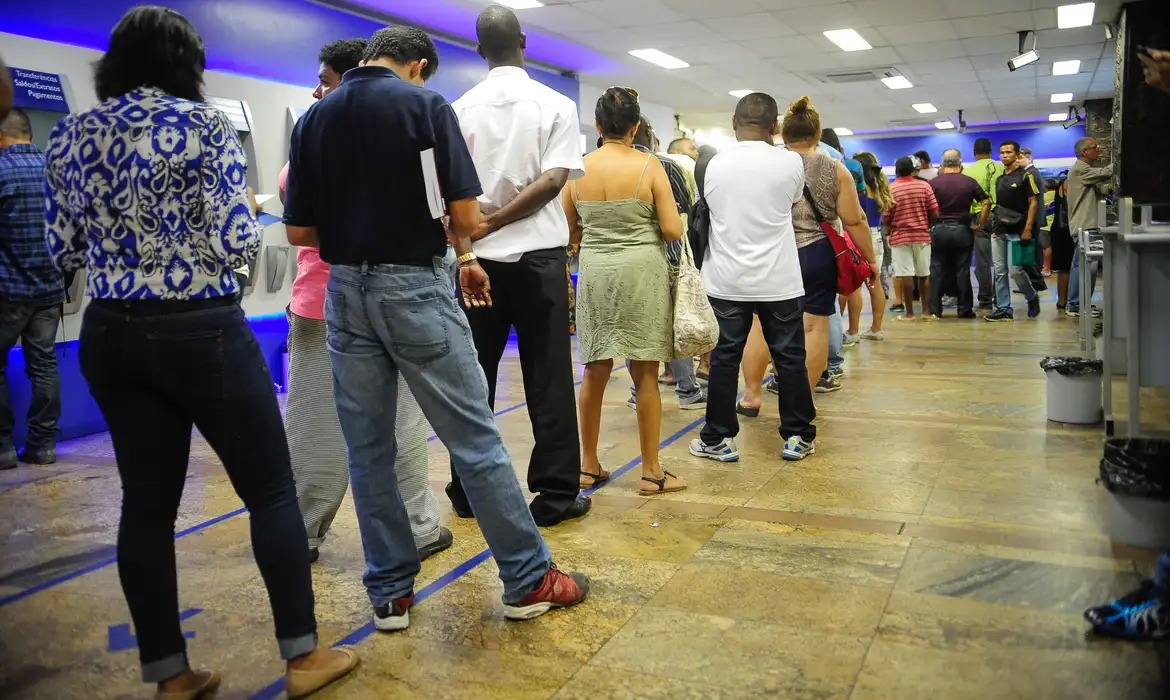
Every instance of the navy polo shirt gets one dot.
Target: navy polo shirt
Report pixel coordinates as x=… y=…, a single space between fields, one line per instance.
x=356 y=173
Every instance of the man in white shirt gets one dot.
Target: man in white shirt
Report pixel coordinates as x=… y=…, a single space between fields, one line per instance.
x=751 y=267
x=525 y=140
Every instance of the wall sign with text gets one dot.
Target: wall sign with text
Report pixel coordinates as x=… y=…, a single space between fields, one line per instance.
x=36 y=89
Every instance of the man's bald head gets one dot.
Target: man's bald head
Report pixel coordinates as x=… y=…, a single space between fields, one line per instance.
x=501 y=40
x=952 y=158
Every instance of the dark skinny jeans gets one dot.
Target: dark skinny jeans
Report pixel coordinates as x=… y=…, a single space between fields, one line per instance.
x=157 y=369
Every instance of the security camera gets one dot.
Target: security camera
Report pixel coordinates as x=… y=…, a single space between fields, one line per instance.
x=962 y=122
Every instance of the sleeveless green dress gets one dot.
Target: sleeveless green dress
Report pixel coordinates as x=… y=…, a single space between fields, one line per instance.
x=624 y=303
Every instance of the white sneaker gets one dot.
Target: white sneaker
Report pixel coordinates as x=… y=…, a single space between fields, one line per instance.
x=796 y=449
x=873 y=335
x=725 y=451
x=848 y=341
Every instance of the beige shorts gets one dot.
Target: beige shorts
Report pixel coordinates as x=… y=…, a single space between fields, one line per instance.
x=879 y=250
x=911 y=260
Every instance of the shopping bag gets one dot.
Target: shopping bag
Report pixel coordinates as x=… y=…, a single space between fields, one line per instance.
x=696 y=330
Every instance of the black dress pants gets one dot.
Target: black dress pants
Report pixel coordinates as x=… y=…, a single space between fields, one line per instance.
x=783 y=325
x=531 y=296
x=951 y=246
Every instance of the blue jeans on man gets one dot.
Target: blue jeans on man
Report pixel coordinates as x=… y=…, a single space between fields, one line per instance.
x=1000 y=246
x=836 y=340
x=386 y=319
x=686 y=383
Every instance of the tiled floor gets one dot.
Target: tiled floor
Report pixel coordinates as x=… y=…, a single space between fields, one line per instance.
x=940 y=544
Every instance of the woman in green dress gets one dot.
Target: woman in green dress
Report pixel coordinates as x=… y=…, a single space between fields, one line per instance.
x=621 y=214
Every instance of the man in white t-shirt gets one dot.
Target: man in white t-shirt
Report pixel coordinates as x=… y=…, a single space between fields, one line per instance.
x=751 y=267
x=525 y=140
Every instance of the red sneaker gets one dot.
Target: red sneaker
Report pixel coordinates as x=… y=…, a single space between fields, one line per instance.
x=556 y=590
x=394 y=616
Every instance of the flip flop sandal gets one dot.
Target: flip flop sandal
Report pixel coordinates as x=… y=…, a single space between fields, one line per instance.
x=598 y=479
x=661 y=484
x=747 y=412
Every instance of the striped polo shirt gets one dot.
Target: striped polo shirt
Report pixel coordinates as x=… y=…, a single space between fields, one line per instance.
x=909 y=217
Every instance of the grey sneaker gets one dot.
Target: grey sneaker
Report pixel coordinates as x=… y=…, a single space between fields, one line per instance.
x=725 y=451
x=848 y=341
x=8 y=459
x=632 y=402
x=873 y=335
x=698 y=402
x=828 y=384
x=443 y=542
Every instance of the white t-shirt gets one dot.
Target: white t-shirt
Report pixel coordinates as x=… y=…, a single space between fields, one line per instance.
x=751 y=256
x=516 y=129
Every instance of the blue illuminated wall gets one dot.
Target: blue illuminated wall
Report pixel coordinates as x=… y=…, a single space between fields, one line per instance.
x=1046 y=142
x=269 y=39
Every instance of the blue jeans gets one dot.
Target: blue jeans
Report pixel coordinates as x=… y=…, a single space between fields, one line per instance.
x=836 y=339
x=156 y=369
x=999 y=258
x=1074 y=282
x=683 y=370
x=386 y=319
x=36 y=329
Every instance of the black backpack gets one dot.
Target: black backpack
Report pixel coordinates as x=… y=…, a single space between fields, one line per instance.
x=699 y=229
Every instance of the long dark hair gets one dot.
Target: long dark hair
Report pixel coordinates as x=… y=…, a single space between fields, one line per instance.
x=876 y=184
x=155 y=47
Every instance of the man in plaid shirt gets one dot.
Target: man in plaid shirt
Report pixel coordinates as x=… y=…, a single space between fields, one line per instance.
x=32 y=290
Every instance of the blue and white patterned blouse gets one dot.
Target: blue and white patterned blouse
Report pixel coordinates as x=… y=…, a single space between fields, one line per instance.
x=150 y=189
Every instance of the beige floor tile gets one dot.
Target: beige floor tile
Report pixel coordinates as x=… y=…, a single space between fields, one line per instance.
x=777 y=599
x=796 y=490
x=998 y=510
x=638 y=534
x=591 y=683
x=764 y=659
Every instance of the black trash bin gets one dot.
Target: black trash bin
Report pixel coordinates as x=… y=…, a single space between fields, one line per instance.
x=1136 y=473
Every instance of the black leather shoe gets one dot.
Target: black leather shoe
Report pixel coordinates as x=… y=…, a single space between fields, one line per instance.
x=459 y=503
x=444 y=542
x=579 y=508
x=314 y=555
x=39 y=455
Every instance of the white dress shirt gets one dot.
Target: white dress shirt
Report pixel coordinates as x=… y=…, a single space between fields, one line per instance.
x=517 y=129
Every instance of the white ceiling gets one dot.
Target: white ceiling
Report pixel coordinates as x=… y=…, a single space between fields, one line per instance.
x=955 y=53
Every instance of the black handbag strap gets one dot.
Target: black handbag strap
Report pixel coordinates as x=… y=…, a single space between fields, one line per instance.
x=812 y=203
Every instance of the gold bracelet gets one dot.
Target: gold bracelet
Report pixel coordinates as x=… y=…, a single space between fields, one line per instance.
x=467 y=258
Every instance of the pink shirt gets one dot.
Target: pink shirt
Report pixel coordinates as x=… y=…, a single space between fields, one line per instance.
x=308 y=289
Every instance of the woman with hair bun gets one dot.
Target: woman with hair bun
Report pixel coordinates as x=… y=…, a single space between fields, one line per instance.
x=620 y=215
x=831 y=188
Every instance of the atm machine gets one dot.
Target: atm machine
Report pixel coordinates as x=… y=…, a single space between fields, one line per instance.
x=276 y=257
x=45 y=98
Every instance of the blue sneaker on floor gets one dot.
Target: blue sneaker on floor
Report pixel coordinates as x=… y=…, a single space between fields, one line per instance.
x=772 y=385
x=999 y=316
x=725 y=451
x=796 y=449
x=1139 y=616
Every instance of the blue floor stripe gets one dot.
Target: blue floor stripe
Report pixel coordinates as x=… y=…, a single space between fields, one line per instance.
x=275 y=688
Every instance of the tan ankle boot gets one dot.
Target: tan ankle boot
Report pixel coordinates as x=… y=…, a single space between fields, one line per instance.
x=210 y=684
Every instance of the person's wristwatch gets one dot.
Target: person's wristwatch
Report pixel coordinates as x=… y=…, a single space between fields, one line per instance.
x=466 y=259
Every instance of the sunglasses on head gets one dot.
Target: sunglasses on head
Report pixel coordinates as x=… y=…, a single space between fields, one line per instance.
x=628 y=90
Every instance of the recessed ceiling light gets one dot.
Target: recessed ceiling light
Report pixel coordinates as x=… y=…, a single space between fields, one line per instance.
x=1056 y=117
x=897 y=82
x=1062 y=97
x=740 y=93
x=1066 y=67
x=660 y=59
x=521 y=4
x=847 y=39
x=944 y=125
x=842 y=131
x=1070 y=16
x=925 y=107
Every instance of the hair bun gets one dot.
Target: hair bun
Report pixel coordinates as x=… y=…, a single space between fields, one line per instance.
x=800 y=105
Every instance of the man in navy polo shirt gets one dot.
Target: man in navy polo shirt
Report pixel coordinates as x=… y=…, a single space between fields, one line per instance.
x=372 y=171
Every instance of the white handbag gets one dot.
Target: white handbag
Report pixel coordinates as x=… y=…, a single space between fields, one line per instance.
x=696 y=330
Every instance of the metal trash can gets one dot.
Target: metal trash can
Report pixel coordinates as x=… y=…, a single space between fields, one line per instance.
x=1136 y=473
x=1074 y=389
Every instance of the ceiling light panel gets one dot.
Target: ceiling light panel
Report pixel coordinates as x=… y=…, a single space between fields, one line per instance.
x=1071 y=16
x=1066 y=67
x=847 y=39
x=740 y=93
x=897 y=82
x=1056 y=117
x=944 y=125
x=1062 y=97
x=660 y=59
x=924 y=108
x=520 y=4
x=842 y=131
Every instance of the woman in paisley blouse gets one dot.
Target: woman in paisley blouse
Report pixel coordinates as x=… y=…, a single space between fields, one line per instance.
x=147 y=189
